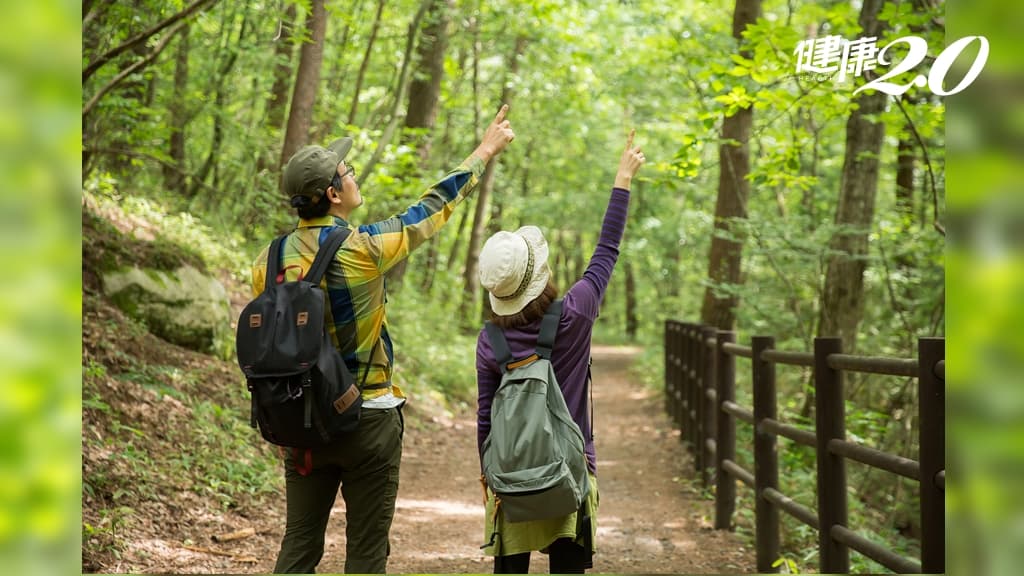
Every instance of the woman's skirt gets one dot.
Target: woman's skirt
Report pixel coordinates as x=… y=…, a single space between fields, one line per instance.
x=517 y=537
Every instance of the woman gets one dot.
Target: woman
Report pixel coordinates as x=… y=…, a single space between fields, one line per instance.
x=514 y=270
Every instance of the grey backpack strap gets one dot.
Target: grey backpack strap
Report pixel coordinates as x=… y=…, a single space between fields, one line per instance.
x=548 y=328
x=325 y=254
x=499 y=345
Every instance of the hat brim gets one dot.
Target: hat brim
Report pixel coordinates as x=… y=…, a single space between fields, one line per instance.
x=341 y=147
x=538 y=280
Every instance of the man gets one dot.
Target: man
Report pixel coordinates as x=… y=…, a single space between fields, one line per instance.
x=321 y=185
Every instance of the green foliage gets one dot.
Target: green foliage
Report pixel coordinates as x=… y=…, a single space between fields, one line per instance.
x=147 y=234
x=441 y=364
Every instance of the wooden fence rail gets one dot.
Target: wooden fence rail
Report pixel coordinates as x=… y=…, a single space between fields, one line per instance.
x=700 y=397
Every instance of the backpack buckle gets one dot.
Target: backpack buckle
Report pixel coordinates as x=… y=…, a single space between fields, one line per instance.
x=295 y=393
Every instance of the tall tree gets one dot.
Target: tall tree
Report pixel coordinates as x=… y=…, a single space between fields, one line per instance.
x=174 y=172
x=397 y=274
x=306 y=82
x=631 y=320
x=471 y=283
x=843 y=300
x=361 y=75
x=220 y=89
x=337 y=76
x=425 y=87
x=283 y=49
x=424 y=95
x=733 y=190
x=400 y=82
x=905 y=162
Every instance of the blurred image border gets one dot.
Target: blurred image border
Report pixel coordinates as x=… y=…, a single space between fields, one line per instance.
x=40 y=322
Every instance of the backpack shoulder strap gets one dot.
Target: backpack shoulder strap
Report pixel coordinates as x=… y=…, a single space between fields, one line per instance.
x=326 y=253
x=273 y=263
x=502 y=353
x=548 y=328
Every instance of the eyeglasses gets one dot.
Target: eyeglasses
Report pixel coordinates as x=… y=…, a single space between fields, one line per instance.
x=336 y=180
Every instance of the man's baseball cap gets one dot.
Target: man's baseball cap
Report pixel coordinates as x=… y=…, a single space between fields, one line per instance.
x=310 y=170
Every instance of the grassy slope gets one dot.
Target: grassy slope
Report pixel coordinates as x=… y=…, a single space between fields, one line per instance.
x=164 y=429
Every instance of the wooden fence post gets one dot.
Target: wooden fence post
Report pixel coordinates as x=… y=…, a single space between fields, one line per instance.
x=766 y=461
x=677 y=362
x=830 y=423
x=698 y=404
x=725 y=484
x=932 y=412
x=669 y=358
x=691 y=389
x=707 y=405
x=681 y=381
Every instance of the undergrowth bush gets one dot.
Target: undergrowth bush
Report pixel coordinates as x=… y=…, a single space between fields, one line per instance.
x=431 y=354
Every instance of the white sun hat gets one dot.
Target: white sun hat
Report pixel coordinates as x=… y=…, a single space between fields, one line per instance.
x=514 y=269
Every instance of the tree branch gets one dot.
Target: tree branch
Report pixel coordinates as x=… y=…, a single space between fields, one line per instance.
x=141 y=37
x=908 y=329
x=91 y=11
x=927 y=161
x=131 y=69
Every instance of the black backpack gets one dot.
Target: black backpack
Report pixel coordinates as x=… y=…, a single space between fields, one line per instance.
x=303 y=395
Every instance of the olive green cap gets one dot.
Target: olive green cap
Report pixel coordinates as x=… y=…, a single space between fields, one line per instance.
x=310 y=170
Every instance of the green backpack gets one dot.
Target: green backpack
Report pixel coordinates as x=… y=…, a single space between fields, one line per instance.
x=533 y=457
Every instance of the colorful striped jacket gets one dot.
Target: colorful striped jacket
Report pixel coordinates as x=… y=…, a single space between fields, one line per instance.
x=356 y=316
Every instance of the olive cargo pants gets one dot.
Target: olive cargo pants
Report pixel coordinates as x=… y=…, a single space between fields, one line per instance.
x=365 y=465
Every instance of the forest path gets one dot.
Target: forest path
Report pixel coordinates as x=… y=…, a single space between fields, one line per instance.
x=648 y=521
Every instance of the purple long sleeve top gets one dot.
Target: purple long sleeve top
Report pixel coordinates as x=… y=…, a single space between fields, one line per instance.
x=571 y=355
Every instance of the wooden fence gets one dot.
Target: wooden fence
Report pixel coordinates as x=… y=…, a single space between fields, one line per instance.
x=700 y=384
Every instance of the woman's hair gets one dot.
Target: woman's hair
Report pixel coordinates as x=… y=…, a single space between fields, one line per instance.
x=531 y=312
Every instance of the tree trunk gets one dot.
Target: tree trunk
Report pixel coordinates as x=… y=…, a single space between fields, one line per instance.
x=733 y=190
x=219 y=109
x=561 y=271
x=337 y=76
x=631 y=321
x=454 y=252
x=174 y=178
x=905 y=161
x=905 y=165
x=430 y=265
x=425 y=88
x=578 y=265
x=471 y=284
x=283 y=51
x=492 y=228
x=306 y=83
x=843 y=299
x=396 y=275
x=365 y=63
x=400 y=81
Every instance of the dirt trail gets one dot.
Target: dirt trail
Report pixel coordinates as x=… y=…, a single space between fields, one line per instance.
x=649 y=521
